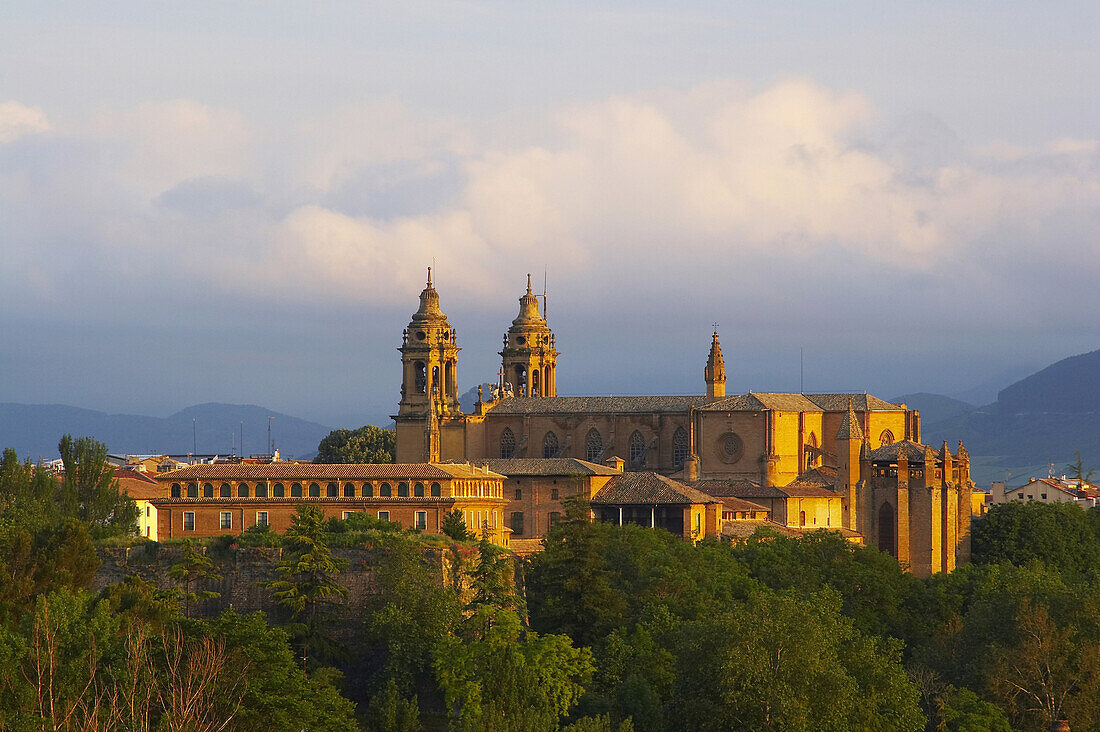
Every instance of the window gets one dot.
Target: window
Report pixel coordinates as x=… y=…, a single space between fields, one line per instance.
x=226 y=520
x=554 y=518
x=436 y=490
x=261 y=490
x=349 y=490
x=519 y=494
x=679 y=447
x=420 y=377
x=368 y=490
x=801 y=518
x=402 y=490
x=418 y=490
x=550 y=445
x=421 y=520
x=593 y=446
x=207 y=490
x=261 y=518
x=314 y=490
x=278 y=491
x=224 y=491
x=553 y=494
x=332 y=490
x=517 y=523
x=384 y=490
x=188 y=520
x=507 y=443
x=242 y=490
x=175 y=490
x=637 y=450
x=384 y=515
x=346 y=515
x=296 y=490
x=192 y=490
x=1043 y=496
x=886 y=438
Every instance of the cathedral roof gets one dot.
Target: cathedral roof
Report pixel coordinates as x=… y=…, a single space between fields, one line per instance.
x=849 y=425
x=595 y=405
x=548 y=466
x=648 y=488
x=860 y=402
x=914 y=452
x=529 y=309
x=758 y=401
x=429 y=312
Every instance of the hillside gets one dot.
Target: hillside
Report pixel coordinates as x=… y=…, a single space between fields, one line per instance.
x=1071 y=386
x=33 y=430
x=934 y=407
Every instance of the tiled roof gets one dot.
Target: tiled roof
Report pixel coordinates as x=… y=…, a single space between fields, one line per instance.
x=139 y=489
x=737 y=488
x=739 y=504
x=761 y=401
x=344 y=471
x=806 y=489
x=849 y=426
x=595 y=405
x=823 y=474
x=548 y=466
x=860 y=402
x=914 y=451
x=1050 y=482
x=648 y=488
x=745 y=529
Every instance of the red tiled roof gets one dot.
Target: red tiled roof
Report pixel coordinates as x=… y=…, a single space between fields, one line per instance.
x=345 y=471
x=138 y=488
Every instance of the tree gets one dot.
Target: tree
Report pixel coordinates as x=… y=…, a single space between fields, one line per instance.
x=194 y=567
x=389 y=712
x=1060 y=535
x=369 y=444
x=90 y=492
x=454 y=526
x=308 y=587
x=1076 y=469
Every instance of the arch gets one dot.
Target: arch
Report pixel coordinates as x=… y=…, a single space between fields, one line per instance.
x=507 y=443
x=242 y=490
x=332 y=490
x=402 y=490
x=636 y=450
x=192 y=490
x=812 y=454
x=176 y=490
x=521 y=380
x=886 y=534
x=349 y=490
x=534 y=382
x=261 y=490
x=384 y=490
x=801 y=518
x=420 y=377
x=296 y=490
x=207 y=490
x=314 y=490
x=886 y=438
x=418 y=490
x=224 y=491
x=436 y=490
x=550 y=445
x=593 y=445
x=680 y=447
x=277 y=491
x=368 y=490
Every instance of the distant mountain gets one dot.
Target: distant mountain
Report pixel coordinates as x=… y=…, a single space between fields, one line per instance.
x=934 y=407
x=1071 y=386
x=33 y=430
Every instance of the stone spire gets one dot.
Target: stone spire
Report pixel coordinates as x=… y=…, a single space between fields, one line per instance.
x=715 y=372
x=529 y=359
x=849 y=425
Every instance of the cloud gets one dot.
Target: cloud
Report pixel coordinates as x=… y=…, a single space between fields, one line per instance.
x=17 y=120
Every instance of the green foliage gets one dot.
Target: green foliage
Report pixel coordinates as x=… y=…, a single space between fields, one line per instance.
x=369 y=444
x=454 y=526
x=1060 y=535
x=389 y=712
x=1076 y=469
x=359 y=521
x=90 y=492
x=193 y=568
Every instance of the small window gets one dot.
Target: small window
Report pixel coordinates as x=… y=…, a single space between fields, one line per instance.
x=384 y=491
x=346 y=515
x=314 y=490
x=519 y=494
x=1030 y=497
x=261 y=518
x=224 y=491
x=207 y=490
x=175 y=490
x=242 y=490
x=261 y=490
x=188 y=520
x=368 y=490
x=332 y=490
x=1044 y=496
x=418 y=490
x=384 y=515
x=296 y=490
x=421 y=520
x=278 y=491
x=349 y=490
x=553 y=494
x=554 y=518
x=517 y=523
x=402 y=490
x=226 y=520
x=192 y=490
x=436 y=490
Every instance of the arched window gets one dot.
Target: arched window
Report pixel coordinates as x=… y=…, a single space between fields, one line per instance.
x=886 y=438
x=207 y=490
x=242 y=490
x=261 y=490
x=332 y=490
x=534 y=382
x=192 y=490
x=277 y=491
x=812 y=455
x=521 y=379
x=420 y=377
x=296 y=490
x=176 y=490
x=436 y=490
x=368 y=490
x=384 y=490
x=679 y=447
x=507 y=443
x=550 y=445
x=637 y=450
x=225 y=491
x=593 y=446
x=801 y=518
x=314 y=490
x=349 y=490
x=886 y=529
x=418 y=490
x=402 y=490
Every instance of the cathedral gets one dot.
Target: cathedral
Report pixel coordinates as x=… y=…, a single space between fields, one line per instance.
x=895 y=492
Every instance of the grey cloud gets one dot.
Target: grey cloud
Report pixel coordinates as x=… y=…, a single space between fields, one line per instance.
x=208 y=196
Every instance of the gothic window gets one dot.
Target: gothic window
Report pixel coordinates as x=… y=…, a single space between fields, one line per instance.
x=886 y=529
x=550 y=445
x=812 y=455
x=679 y=447
x=730 y=447
x=507 y=443
x=886 y=438
x=420 y=377
x=637 y=450
x=593 y=445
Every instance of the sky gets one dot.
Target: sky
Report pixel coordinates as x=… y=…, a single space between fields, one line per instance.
x=237 y=201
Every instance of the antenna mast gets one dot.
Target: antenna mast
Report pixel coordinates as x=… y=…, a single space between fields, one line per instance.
x=544 y=314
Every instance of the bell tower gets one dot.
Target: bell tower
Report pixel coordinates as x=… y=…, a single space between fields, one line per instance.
x=429 y=383
x=529 y=360
x=715 y=372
